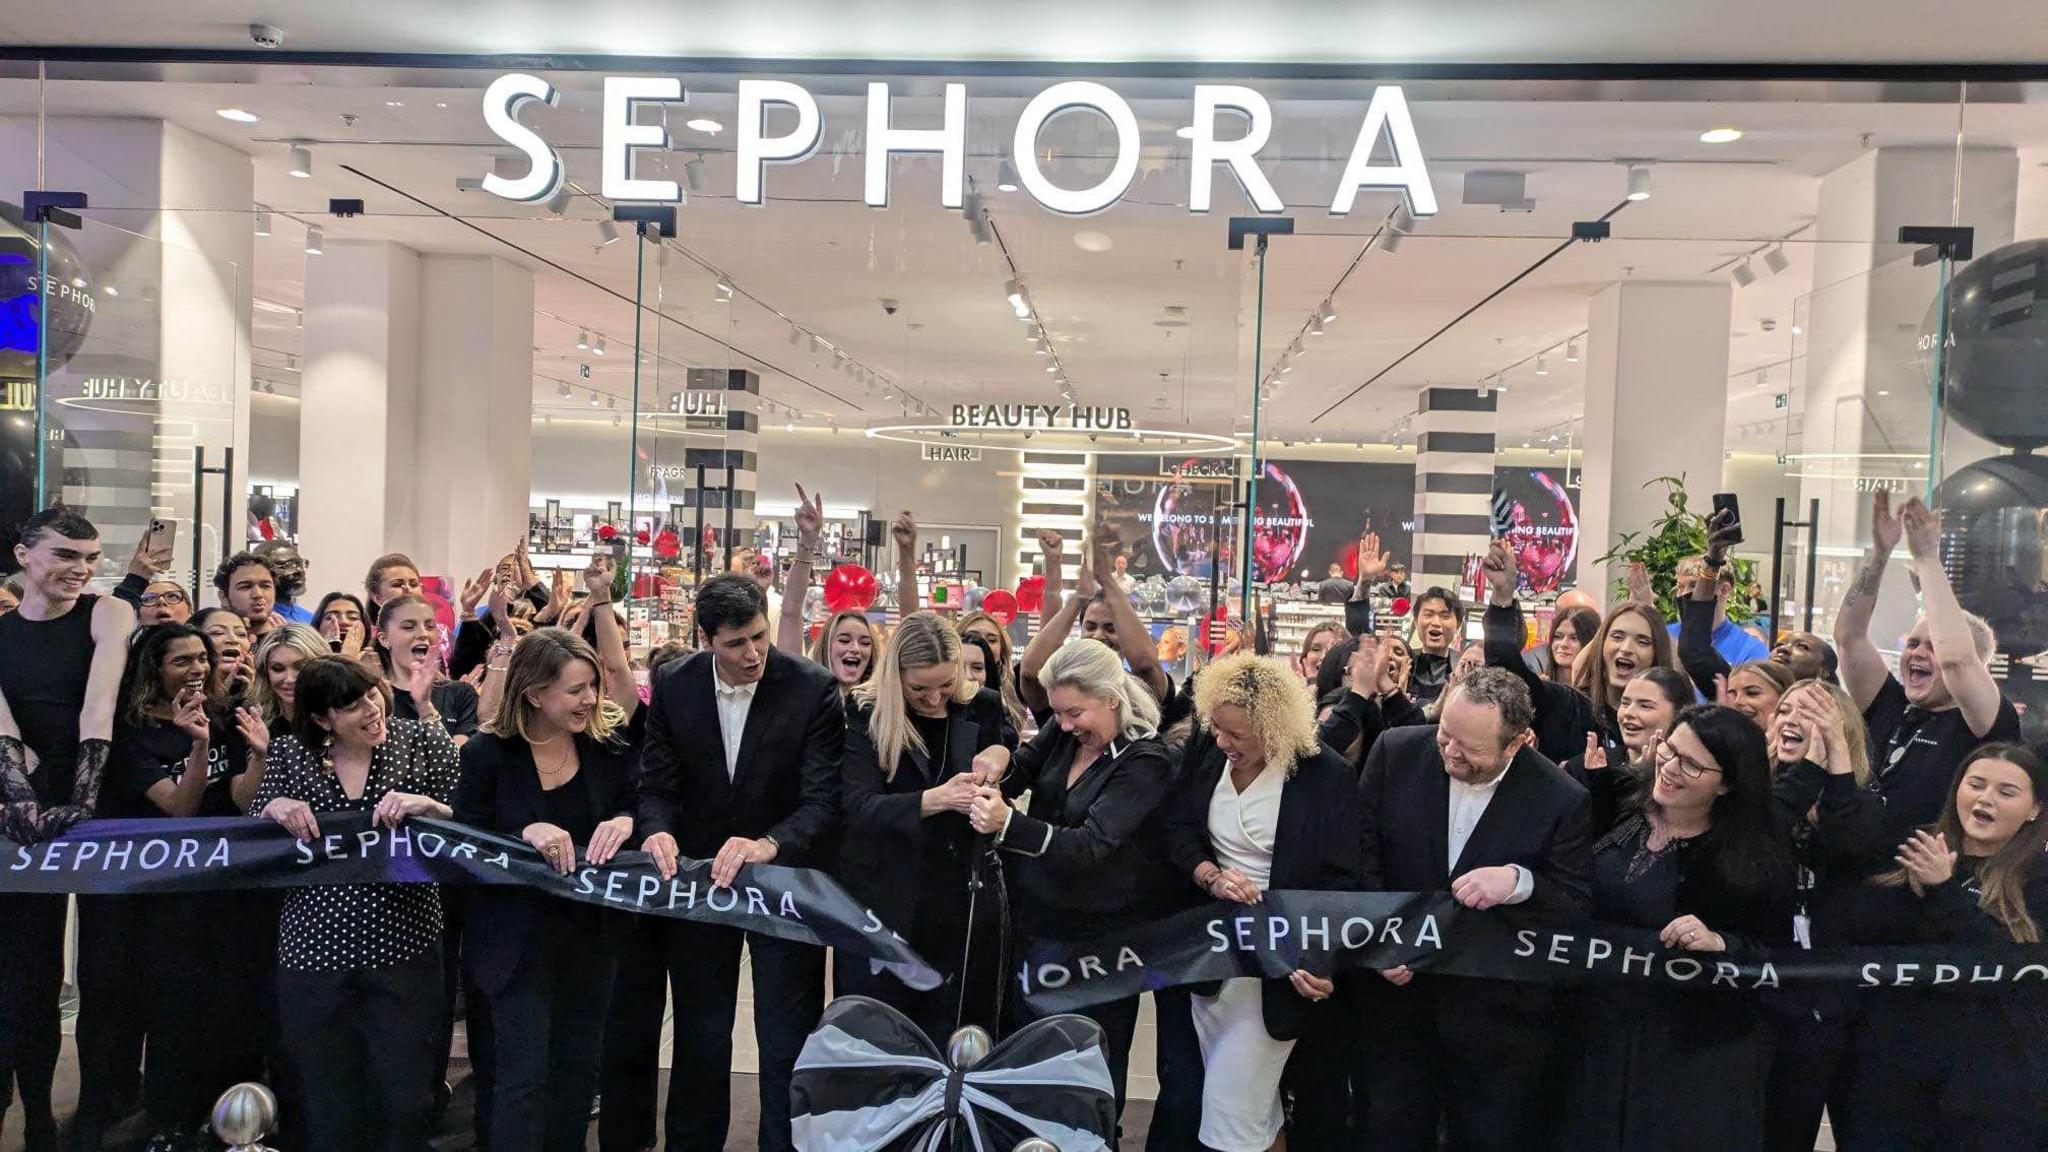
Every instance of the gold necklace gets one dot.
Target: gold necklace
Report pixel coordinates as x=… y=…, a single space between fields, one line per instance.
x=561 y=765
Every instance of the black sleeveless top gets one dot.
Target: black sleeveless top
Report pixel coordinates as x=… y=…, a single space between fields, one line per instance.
x=43 y=668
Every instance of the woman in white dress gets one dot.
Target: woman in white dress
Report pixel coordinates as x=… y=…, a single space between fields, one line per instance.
x=1265 y=806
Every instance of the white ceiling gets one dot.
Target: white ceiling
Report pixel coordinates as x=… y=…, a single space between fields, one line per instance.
x=1457 y=31
x=821 y=259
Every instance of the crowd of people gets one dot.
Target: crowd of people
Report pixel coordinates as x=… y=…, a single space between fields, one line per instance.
x=980 y=796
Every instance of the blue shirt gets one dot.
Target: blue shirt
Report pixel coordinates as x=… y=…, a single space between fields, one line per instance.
x=296 y=613
x=1734 y=645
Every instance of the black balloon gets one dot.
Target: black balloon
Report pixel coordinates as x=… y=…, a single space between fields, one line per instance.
x=1998 y=345
x=70 y=296
x=1995 y=546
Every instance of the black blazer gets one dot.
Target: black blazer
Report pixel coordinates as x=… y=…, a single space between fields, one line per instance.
x=786 y=783
x=1563 y=714
x=1314 y=847
x=1092 y=858
x=499 y=791
x=1537 y=819
x=881 y=853
x=1362 y=718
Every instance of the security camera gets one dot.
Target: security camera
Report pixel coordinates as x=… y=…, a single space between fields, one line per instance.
x=266 y=35
x=890 y=306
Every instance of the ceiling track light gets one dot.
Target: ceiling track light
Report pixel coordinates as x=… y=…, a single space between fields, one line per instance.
x=794 y=336
x=1776 y=260
x=262 y=222
x=1571 y=351
x=564 y=391
x=693 y=172
x=300 y=162
x=1542 y=364
x=607 y=232
x=316 y=242
x=597 y=346
x=1006 y=175
x=559 y=202
x=595 y=399
x=1743 y=275
x=1315 y=326
x=723 y=290
x=1326 y=314
x=1638 y=182
x=583 y=341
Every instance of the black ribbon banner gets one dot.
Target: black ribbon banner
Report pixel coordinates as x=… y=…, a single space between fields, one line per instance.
x=143 y=857
x=1431 y=932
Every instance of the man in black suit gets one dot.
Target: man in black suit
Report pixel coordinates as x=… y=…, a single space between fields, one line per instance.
x=741 y=766
x=1470 y=806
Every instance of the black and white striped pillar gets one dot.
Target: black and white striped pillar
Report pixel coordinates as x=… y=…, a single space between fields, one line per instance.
x=1454 y=443
x=741 y=450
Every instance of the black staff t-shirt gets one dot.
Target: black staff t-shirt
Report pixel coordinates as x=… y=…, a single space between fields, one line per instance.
x=143 y=756
x=1914 y=754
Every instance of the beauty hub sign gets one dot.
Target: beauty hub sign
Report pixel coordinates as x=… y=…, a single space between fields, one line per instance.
x=626 y=139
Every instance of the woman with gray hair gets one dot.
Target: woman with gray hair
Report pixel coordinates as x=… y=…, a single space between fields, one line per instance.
x=1088 y=858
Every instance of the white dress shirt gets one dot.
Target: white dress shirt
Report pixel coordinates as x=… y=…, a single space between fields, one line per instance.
x=1468 y=802
x=734 y=702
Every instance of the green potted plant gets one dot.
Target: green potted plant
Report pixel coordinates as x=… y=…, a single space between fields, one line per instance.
x=1677 y=534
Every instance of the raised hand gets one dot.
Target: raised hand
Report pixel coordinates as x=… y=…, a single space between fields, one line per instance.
x=1885 y=528
x=1501 y=572
x=254 y=731
x=1084 y=581
x=810 y=517
x=1722 y=529
x=1596 y=754
x=1372 y=563
x=1923 y=530
x=474 y=591
x=1928 y=861
x=1640 y=588
x=597 y=578
x=904 y=531
x=1050 y=542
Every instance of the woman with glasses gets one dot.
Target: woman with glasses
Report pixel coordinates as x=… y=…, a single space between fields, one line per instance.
x=163 y=602
x=1700 y=859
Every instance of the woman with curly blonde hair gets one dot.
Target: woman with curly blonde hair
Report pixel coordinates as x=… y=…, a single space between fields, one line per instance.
x=1268 y=806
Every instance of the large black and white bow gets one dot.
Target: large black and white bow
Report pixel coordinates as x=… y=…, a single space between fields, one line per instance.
x=869 y=1080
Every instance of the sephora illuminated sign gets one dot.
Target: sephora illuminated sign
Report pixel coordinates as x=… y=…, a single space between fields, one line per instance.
x=625 y=138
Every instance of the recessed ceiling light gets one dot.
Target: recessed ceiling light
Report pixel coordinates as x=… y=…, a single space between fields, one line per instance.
x=113 y=291
x=237 y=115
x=709 y=127
x=1720 y=135
x=394 y=103
x=1093 y=241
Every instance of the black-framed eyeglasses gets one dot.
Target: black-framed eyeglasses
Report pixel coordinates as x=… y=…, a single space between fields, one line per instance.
x=1689 y=767
x=153 y=599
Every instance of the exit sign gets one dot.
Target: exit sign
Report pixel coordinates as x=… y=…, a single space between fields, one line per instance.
x=1780 y=400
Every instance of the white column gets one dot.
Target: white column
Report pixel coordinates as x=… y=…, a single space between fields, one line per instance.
x=1656 y=405
x=471 y=458
x=1454 y=445
x=360 y=409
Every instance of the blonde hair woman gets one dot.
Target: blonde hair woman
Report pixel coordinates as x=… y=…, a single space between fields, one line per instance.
x=277 y=660
x=1089 y=857
x=921 y=738
x=1268 y=806
x=545 y=770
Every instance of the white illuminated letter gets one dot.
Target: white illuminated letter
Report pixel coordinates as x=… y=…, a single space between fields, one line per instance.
x=949 y=141
x=756 y=151
x=1388 y=112
x=502 y=103
x=1241 y=154
x=1052 y=102
x=622 y=94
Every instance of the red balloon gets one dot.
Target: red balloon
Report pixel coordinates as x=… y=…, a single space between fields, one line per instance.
x=606 y=532
x=850 y=588
x=667 y=545
x=1030 y=593
x=640 y=537
x=1000 y=604
x=1399 y=607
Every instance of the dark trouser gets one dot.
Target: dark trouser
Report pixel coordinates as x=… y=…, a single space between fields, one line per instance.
x=1807 y=1071
x=1318 y=1076
x=113 y=1009
x=362 y=1042
x=630 y=1069
x=1480 y=1074
x=549 y=1028
x=476 y=1015
x=1177 y=1116
x=31 y=980
x=789 y=995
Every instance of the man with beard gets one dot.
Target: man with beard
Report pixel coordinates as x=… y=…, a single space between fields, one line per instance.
x=290 y=570
x=61 y=655
x=1943 y=702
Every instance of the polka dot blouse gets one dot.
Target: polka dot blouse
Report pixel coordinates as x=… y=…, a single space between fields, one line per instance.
x=343 y=926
